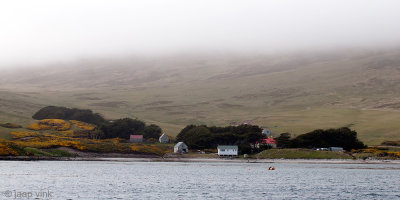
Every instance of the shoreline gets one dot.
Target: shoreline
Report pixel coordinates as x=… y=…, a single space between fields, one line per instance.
x=193 y=160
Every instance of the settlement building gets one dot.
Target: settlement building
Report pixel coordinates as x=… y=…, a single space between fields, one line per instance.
x=228 y=150
x=335 y=149
x=181 y=147
x=163 y=138
x=266 y=142
x=136 y=138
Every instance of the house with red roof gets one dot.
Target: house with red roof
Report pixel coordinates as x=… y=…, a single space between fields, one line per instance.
x=266 y=142
x=136 y=138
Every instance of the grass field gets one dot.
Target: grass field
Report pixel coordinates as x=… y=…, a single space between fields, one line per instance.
x=301 y=154
x=285 y=93
x=5 y=133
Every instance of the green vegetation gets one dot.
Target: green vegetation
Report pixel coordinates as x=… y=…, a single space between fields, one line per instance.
x=36 y=152
x=61 y=153
x=55 y=112
x=5 y=133
x=298 y=153
x=377 y=153
x=284 y=93
x=120 y=128
x=112 y=136
x=301 y=154
x=51 y=153
x=152 y=132
x=43 y=144
x=123 y=128
x=341 y=137
x=391 y=143
x=10 y=125
x=40 y=138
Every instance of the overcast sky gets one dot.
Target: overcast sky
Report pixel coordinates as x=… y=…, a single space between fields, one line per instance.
x=42 y=31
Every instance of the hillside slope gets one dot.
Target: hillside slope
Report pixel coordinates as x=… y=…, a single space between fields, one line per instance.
x=291 y=92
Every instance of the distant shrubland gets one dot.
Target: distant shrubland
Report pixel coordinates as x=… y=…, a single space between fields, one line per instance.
x=391 y=143
x=46 y=136
x=56 y=112
x=50 y=124
x=123 y=128
x=341 y=137
x=10 y=125
x=83 y=118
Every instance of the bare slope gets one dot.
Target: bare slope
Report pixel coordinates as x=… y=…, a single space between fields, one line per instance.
x=292 y=92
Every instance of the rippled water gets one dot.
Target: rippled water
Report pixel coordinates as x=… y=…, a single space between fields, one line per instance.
x=177 y=180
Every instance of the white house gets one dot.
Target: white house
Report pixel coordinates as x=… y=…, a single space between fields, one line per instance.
x=335 y=148
x=228 y=150
x=181 y=147
x=163 y=138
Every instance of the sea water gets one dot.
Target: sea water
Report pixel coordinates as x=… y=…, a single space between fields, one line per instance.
x=188 y=180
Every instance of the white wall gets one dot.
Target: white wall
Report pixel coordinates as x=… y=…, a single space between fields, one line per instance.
x=227 y=152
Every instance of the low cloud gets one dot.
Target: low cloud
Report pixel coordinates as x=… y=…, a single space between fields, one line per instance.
x=35 y=32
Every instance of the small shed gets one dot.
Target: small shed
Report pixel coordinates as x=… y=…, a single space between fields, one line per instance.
x=181 y=147
x=163 y=138
x=136 y=138
x=228 y=150
x=335 y=149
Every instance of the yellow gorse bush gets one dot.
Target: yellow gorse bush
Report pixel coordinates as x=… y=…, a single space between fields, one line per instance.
x=23 y=134
x=394 y=154
x=6 y=150
x=45 y=142
x=115 y=145
x=50 y=124
x=82 y=125
x=54 y=139
x=69 y=133
x=376 y=151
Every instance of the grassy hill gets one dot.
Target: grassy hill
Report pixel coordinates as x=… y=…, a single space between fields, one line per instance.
x=288 y=92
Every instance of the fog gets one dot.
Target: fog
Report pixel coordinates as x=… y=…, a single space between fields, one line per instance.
x=36 y=32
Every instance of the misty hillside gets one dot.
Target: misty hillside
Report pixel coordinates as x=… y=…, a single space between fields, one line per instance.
x=288 y=92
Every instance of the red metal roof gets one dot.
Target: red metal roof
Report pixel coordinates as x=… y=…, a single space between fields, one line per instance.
x=267 y=141
x=136 y=137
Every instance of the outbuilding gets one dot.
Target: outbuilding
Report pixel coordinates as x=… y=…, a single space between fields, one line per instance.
x=228 y=150
x=136 y=138
x=163 y=138
x=181 y=147
x=266 y=142
x=335 y=149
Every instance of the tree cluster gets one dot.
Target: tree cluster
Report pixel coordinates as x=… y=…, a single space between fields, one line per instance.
x=57 y=112
x=204 y=137
x=121 y=128
x=341 y=137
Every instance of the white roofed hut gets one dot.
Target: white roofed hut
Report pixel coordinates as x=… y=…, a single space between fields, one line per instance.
x=228 y=150
x=335 y=148
x=163 y=138
x=181 y=147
